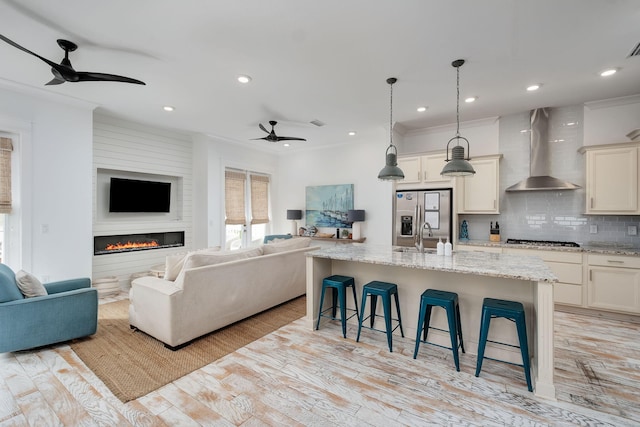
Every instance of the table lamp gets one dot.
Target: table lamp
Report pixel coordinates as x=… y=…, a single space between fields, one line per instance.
x=295 y=215
x=355 y=216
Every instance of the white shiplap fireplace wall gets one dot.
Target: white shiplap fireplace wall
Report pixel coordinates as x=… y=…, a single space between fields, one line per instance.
x=129 y=150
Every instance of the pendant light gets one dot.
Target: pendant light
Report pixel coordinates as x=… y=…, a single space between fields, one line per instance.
x=391 y=171
x=458 y=165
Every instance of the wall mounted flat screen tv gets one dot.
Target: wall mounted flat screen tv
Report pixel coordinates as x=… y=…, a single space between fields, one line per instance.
x=131 y=195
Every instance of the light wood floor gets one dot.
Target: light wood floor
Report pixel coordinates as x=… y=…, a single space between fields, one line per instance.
x=295 y=376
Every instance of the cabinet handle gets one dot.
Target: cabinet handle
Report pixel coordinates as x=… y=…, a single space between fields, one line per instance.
x=591 y=203
x=590 y=271
x=615 y=261
x=494 y=203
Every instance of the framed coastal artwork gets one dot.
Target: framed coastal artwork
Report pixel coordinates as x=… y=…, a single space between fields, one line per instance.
x=327 y=205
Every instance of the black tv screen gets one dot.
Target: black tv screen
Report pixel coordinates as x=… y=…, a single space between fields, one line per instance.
x=131 y=195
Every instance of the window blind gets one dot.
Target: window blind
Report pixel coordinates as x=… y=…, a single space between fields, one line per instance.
x=259 y=199
x=234 y=190
x=6 y=147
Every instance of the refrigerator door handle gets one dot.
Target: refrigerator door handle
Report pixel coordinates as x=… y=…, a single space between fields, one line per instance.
x=416 y=224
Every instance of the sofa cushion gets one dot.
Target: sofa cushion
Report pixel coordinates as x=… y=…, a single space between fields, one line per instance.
x=175 y=262
x=286 y=245
x=203 y=259
x=29 y=285
x=9 y=290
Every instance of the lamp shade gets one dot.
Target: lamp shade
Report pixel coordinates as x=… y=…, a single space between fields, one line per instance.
x=458 y=165
x=294 y=214
x=391 y=171
x=355 y=215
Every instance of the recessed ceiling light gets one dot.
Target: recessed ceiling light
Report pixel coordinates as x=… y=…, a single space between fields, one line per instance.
x=168 y=108
x=525 y=130
x=244 y=78
x=534 y=87
x=286 y=144
x=352 y=133
x=609 y=72
x=570 y=124
x=470 y=99
x=421 y=109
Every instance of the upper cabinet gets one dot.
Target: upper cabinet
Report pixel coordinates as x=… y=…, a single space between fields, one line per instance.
x=423 y=169
x=479 y=193
x=612 y=179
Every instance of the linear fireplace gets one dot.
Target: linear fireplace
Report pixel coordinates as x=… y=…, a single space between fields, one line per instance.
x=103 y=245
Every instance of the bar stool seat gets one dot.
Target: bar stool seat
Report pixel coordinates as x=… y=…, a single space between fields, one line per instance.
x=385 y=290
x=449 y=302
x=338 y=284
x=513 y=311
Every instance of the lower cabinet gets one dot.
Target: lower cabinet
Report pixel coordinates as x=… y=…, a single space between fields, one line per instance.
x=613 y=283
x=567 y=266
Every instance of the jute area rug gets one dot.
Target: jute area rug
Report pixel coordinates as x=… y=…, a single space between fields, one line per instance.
x=132 y=364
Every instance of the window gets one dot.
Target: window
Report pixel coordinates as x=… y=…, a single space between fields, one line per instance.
x=6 y=148
x=246 y=208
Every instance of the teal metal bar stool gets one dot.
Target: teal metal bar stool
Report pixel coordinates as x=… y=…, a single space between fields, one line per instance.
x=448 y=301
x=510 y=310
x=377 y=289
x=338 y=284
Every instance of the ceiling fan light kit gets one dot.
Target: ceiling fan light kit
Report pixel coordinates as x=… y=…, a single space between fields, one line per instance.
x=64 y=71
x=391 y=171
x=458 y=164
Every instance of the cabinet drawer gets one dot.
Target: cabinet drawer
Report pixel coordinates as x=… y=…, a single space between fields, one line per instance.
x=565 y=293
x=566 y=273
x=470 y=248
x=614 y=261
x=556 y=256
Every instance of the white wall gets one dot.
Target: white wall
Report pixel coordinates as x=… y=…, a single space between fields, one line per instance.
x=610 y=120
x=483 y=136
x=213 y=156
x=55 y=178
x=356 y=164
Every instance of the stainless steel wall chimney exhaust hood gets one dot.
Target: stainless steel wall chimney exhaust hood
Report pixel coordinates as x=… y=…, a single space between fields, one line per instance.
x=539 y=162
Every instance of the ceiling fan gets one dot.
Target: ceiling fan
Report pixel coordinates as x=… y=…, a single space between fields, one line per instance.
x=272 y=137
x=64 y=72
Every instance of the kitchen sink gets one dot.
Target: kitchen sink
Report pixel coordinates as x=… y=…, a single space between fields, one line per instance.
x=413 y=250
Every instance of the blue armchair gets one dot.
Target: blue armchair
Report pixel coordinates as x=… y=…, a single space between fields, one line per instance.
x=70 y=310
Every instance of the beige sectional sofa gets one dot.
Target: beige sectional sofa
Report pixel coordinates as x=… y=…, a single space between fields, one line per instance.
x=216 y=288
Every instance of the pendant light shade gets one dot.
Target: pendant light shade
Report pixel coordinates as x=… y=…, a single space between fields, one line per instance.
x=391 y=171
x=457 y=165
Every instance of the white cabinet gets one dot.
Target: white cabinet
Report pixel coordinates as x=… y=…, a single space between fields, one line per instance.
x=479 y=193
x=423 y=169
x=410 y=166
x=614 y=283
x=612 y=179
x=476 y=248
x=567 y=266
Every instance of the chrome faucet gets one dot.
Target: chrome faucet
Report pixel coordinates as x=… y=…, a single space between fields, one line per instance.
x=420 y=235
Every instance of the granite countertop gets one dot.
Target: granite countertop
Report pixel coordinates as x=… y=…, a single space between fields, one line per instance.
x=480 y=263
x=595 y=248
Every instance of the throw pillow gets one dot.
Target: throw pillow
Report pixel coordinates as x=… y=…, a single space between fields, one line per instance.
x=29 y=285
x=174 y=263
x=286 y=245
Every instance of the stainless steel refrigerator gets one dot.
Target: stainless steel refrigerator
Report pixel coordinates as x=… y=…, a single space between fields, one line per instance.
x=430 y=209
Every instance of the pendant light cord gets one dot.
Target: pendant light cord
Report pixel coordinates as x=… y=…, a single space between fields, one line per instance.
x=391 y=116
x=458 y=101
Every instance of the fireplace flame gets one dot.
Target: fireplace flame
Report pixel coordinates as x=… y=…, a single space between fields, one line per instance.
x=131 y=245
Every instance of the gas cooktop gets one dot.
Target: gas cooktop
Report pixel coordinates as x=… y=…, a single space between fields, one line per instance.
x=542 y=243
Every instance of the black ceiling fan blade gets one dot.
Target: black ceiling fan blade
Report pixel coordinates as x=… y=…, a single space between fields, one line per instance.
x=266 y=138
x=84 y=76
x=290 y=138
x=55 y=81
x=263 y=128
x=16 y=45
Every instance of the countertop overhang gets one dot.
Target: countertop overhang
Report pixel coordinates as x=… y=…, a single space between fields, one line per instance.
x=530 y=268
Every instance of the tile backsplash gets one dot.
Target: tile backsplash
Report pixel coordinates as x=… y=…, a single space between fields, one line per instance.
x=549 y=215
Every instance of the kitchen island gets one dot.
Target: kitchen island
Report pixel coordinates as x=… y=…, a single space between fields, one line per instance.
x=472 y=275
